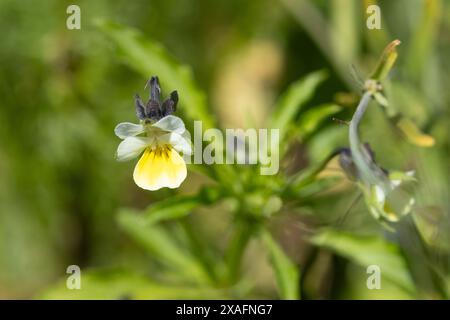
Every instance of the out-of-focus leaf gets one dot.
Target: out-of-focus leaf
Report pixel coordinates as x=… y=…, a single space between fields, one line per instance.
x=313 y=21
x=171 y=208
x=319 y=186
x=366 y=251
x=158 y=243
x=344 y=30
x=433 y=223
x=150 y=58
x=423 y=39
x=406 y=100
x=179 y=205
x=286 y=272
x=236 y=249
x=111 y=285
x=294 y=99
x=308 y=175
x=326 y=141
x=311 y=119
x=413 y=133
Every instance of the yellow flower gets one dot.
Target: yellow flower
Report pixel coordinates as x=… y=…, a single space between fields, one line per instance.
x=160 y=138
x=161 y=164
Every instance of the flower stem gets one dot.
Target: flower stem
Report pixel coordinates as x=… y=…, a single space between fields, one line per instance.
x=236 y=249
x=355 y=144
x=369 y=171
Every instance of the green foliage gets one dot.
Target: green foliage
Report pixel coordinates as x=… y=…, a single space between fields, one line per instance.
x=122 y=285
x=150 y=58
x=311 y=119
x=286 y=273
x=294 y=99
x=369 y=250
x=158 y=242
x=64 y=200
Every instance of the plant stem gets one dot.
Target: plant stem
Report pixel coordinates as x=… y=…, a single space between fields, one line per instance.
x=370 y=172
x=236 y=249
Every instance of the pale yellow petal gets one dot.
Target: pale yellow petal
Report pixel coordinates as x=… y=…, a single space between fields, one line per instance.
x=160 y=168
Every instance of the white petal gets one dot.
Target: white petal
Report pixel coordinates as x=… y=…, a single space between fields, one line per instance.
x=127 y=129
x=172 y=124
x=398 y=177
x=379 y=194
x=131 y=147
x=177 y=141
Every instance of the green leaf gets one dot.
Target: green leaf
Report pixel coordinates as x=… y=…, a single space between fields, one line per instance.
x=236 y=248
x=308 y=175
x=148 y=58
x=171 y=208
x=286 y=272
x=311 y=119
x=294 y=99
x=112 y=284
x=423 y=39
x=344 y=31
x=179 y=206
x=161 y=245
x=369 y=250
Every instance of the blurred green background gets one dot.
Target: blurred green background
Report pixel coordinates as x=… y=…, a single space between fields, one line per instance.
x=65 y=200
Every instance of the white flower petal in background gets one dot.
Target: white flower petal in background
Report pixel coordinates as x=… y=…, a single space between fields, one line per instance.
x=127 y=129
x=398 y=177
x=131 y=147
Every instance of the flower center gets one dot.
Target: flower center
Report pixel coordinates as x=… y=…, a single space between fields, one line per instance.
x=161 y=150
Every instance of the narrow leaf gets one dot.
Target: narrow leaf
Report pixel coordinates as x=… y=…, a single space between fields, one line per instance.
x=294 y=99
x=171 y=208
x=311 y=119
x=286 y=272
x=117 y=284
x=369 y=250
x=158 y=243
x=148 y=58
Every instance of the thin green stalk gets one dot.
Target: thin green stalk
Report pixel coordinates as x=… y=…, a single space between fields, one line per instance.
x=359 y=155
x=237 y=248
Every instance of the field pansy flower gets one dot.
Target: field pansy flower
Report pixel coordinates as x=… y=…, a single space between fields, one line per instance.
x=385 y=196
x=383 y=191
x=160 y=137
